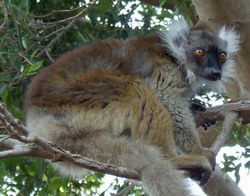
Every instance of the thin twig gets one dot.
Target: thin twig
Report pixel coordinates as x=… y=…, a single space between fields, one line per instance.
x=8 y=143
x=57 y=22
x=8 y=119
x=6 y=18
x=56 y=12
x=33 y=151
x=17 y=152
x=50 y=58
x=49 y=35
x=42 y=26
x=126 y=190
x=52 y=42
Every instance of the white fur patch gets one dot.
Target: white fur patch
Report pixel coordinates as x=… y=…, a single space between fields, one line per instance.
x=69 y=170
x=232 y=38
x=176 y=39
x=228 y=71
x=216 y=86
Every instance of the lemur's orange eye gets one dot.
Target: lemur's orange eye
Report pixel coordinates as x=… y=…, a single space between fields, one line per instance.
x=223 y=56
x=199 y=53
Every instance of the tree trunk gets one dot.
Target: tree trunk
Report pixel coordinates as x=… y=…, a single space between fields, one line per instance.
x=222 y=185
x=212 y=15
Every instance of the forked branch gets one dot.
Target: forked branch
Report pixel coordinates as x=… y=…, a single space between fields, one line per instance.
x=19 y=141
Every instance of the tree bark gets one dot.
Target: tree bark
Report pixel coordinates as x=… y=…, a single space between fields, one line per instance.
x=222 y=185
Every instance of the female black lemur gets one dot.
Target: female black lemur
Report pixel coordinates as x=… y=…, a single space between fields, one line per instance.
x=124 y=102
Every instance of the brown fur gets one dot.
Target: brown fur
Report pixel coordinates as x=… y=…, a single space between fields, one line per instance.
x=121 y=102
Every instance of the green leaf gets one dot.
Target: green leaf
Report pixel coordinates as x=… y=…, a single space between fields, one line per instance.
x=35 y=66
x=45 y=178
x=248 y=132
x=24 y=43
x=33 y=53
x=237 y=173
x=32 y=169
x=5 y=97
x=247 y=165
x=99 y=175
x=55 y=183
x=50 y=170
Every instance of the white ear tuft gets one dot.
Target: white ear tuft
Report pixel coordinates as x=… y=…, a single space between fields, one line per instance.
x=176 y=39
x=232 y=39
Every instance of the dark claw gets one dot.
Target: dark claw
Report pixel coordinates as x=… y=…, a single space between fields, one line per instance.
x=204 y=178
x=203 y=173
x=209 y=124
x=200 y=174
x=204 y=126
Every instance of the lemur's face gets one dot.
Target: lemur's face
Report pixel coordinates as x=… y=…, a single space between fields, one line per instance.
x=207 y=55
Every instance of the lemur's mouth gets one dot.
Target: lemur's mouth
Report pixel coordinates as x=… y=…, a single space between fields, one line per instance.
x=213 y=76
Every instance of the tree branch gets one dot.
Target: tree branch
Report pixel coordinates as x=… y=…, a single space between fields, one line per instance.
x=52 y=12
x=21 y=142
x=222 y=185
x=22 y=151
x=218 y=113
x=223 y=135
x=39 y=147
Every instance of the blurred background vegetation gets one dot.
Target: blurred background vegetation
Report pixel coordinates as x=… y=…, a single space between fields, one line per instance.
x=34 y=33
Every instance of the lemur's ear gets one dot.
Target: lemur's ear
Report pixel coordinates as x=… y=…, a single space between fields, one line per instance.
x=232 y=39
x=232 y=45
x=176 y=39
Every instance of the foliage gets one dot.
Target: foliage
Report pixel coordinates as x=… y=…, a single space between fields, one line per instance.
x=32 y=25
x=241 y=135
x=28 y=176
